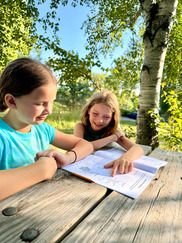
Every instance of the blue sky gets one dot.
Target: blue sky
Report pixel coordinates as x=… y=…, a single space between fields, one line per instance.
x=72 y=37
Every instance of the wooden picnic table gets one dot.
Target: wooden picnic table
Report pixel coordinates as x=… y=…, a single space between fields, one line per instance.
x=69 y=209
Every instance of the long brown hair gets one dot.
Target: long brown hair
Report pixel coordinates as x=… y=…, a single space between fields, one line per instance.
x=107 y=98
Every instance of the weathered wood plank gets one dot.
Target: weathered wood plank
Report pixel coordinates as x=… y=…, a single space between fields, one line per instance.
x=155 y=216
x=52 y=207
x=164 y=221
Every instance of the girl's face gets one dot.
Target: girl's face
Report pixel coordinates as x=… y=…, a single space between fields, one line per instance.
x=100 y=116
x=32 y=109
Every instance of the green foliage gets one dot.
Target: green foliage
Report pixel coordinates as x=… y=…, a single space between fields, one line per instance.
x=99 y=81
x=74 y=94
x=108 y=20
x=128 y=66
x=104 y=27
x=64 y=118
x=129 y=132
x=68 y=66
x=172 y=74
x=173 y=129
x=16 y=26
x=127 y=98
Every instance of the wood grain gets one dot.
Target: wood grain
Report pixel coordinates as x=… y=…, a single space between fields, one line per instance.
x=52 y=207
x=155 y=216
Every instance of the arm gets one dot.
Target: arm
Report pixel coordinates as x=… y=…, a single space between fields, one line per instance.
x=97 y=144
x=124 y=164
x=14 y=180
x=64 y=141
x=100 y=143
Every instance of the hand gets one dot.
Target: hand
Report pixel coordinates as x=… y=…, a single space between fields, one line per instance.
x=48 y=167
x=119 y=134
x=123 y=165
x=61 y=159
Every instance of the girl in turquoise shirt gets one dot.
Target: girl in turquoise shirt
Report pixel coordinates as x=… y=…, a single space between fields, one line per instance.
x=27 y=91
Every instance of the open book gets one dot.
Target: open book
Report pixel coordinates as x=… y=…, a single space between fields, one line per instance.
x=131 y=184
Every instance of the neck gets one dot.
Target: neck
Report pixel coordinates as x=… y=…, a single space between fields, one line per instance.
x=16 y=125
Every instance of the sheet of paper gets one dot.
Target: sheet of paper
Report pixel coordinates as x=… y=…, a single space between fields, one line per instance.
x=110 y=153
x=143 y=163
x=149 y=164
x=131 y=184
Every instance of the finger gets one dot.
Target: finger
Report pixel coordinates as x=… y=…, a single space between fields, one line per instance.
x=126 y=169
x=131 y=167
x=109 y=165
x=114 y=171
x=121 y=168
x=39 y=154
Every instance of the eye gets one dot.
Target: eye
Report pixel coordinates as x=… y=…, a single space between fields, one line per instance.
x=107 y=117
x=38 y=104
x=95 y=114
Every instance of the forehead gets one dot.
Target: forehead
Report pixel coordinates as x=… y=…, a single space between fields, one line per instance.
x=44 y=92
x=101 y=108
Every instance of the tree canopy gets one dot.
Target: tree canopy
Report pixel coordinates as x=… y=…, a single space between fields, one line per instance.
x=17 y=30
x=148 y=20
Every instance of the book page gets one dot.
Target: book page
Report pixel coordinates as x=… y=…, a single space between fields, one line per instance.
x=149 y=164
x=131 y=184
x=110 y=153
x=143 y=163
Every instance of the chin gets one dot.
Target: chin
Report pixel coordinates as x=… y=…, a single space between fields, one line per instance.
x=96 y=129
x=37 y=122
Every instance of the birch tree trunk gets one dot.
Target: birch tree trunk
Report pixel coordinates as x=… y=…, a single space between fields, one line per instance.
x=159 y=20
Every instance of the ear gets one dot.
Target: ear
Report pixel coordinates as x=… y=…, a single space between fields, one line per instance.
x=10 y=101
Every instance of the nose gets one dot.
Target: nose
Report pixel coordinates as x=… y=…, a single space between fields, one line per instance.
x=48 y=109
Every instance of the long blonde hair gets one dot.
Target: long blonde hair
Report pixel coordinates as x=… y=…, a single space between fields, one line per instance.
x=107 y=98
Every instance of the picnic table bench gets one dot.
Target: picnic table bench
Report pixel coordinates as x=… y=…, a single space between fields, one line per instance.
x=69 y=209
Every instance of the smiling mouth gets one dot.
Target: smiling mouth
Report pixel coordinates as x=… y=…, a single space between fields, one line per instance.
x=42 y=118
x=98 y=125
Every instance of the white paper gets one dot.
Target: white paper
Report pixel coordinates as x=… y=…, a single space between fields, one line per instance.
x=130 y=184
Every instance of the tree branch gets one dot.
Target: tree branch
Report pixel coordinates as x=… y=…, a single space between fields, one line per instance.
x=136 y=16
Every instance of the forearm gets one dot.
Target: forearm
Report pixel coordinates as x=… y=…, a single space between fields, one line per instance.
x=97 y=144
x=135 y=152
x=82 y=149
x=14 y=180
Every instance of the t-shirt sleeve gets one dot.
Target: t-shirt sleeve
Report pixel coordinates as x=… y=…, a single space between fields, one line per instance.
x=50 y=131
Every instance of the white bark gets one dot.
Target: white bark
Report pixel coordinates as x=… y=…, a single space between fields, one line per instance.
x=159 y=20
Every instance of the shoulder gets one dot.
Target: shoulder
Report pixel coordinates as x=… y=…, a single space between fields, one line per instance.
x=44 y=130
x=79 y=125
x=79 y=130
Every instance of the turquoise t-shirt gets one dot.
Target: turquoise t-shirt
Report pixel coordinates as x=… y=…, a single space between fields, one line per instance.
x=19 y=149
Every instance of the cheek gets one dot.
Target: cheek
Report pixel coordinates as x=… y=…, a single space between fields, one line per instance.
x=107 y=122
x=35 y=111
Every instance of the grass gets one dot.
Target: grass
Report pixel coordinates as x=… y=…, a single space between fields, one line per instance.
x=64 y=120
